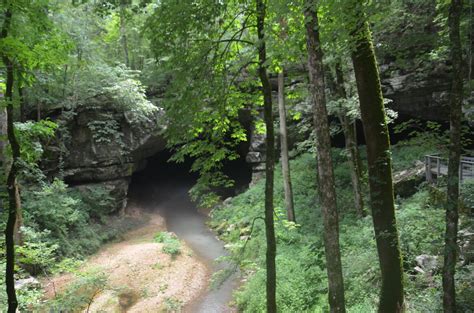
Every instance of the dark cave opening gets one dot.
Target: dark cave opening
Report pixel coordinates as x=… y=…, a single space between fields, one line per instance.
x=160 y=171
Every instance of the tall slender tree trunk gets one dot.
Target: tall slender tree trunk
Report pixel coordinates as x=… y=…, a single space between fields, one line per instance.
x=270 y=158
x=123 y=33
x=380 y=168
x=327 y=191
x=285 y=162
x=452 y=203
x=38 y=110
x=350 y=136
x=3 y=137
x=21 y=95
x=11 y=178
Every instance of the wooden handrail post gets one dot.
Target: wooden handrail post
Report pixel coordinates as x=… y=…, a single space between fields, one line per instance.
x=438 y=168
x=428 y=168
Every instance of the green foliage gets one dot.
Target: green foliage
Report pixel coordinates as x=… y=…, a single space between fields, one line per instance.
x=172 y=245
x=172 y=304
x=79 y=294
x=302 y=284
x=37 y=253
x=106 y=131
x=204 y=48
x=423 y=140
x=28 y=298
x=53 y=209
x=68 y=219
x=421 y=227
x=33 y=136
x=467 y=194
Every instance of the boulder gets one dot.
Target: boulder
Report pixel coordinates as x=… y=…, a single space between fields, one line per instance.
x=407 y=181
x=254 y=157
x=427 y=263
x=27 y=283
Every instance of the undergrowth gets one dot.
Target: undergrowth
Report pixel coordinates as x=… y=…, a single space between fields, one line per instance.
x=61 y=227
x=171 y=243
x=301 y=271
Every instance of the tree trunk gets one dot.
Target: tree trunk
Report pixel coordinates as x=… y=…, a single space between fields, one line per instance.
x=3 y=138
x=285 y=163
x=11 y=178
x=123 y=33
x=380 y=169
x=17 y=234
x=452 y=203
x=38 y=111
x=350 y=135
x=21 y=96
x=270 y=158
x=327 y=191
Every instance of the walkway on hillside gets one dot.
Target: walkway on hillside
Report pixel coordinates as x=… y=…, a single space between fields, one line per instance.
x=437 y=166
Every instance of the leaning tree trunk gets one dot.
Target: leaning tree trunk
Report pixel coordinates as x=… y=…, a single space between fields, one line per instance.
x=326 y=186
x=452 y=203
x=285 y=162
x=11 y=178
x=350 y=136
x=380 y=169
x=270 y=158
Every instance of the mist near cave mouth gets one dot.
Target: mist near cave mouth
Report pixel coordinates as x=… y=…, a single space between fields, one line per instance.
x=162 y=187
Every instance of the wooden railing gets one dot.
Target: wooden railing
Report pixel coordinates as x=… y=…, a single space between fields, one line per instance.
x=436 y=166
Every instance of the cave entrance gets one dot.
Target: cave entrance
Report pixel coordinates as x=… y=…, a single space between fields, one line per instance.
x=160 y=177
x=161 y=187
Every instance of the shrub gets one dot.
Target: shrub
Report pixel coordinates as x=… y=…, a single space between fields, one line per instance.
x=172 y=245
x=75 y=222
x=467 y=195
x=80 y=294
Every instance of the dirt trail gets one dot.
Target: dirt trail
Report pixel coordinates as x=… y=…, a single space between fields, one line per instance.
x=140 y=277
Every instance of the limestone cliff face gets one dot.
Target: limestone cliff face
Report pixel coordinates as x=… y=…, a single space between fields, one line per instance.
x=418 y=93
x=105 y=146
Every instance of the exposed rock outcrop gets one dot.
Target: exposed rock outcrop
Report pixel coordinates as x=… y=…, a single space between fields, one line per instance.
x=106 y=146
x=422 y=93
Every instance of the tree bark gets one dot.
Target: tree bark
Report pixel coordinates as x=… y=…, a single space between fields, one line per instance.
x=380 y=168
x=11 y=178
x=327 y=191
x=350 y=136
x=285 y=162
x=270 y=158
x=3 y=137
x=38 y=111
x=452 y=203
x=21 y=96
x=17 y=234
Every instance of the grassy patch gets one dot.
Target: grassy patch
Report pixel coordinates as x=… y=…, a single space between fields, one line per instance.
x=172 y=245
